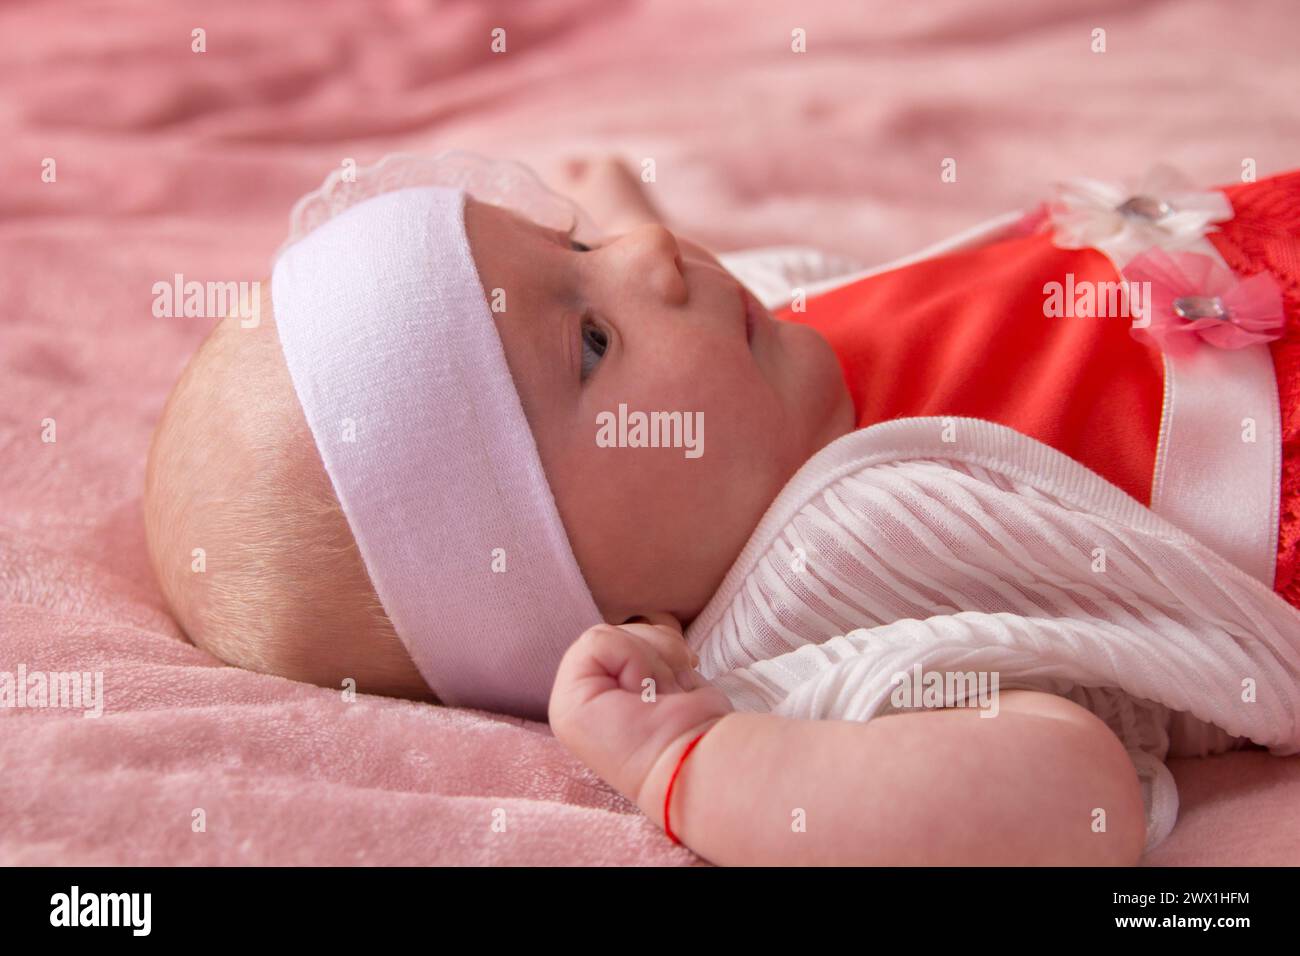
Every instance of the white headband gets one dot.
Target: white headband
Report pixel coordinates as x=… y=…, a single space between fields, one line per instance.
x=387 y=334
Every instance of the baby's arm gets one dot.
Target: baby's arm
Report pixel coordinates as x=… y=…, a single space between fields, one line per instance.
x=944 y=787
x=930 y=787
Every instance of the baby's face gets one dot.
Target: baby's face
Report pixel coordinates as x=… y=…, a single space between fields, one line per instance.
x=657 y=324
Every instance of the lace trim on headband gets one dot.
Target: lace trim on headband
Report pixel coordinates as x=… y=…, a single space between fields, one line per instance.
x=497 y=182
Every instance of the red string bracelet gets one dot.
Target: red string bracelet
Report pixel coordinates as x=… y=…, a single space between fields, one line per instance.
x=668 y=797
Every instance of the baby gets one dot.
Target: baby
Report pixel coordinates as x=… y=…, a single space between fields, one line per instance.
x=395 y=478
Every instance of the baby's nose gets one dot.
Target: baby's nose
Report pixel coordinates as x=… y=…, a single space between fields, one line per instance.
x=655 y=258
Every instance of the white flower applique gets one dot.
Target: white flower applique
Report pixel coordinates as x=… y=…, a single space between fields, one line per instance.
x=1163 y=211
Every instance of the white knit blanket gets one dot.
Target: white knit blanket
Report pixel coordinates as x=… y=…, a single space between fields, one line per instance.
x=895 y=547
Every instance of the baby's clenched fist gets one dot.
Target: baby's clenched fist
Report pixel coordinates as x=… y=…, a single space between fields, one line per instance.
x=625 y=693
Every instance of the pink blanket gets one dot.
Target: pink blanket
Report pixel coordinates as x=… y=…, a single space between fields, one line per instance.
x=167 y=161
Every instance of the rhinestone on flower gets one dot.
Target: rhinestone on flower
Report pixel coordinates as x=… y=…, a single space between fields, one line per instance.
x=1144 y=207
x=1193 y=307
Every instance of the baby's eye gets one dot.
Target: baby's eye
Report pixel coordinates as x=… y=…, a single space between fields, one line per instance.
x=594 y=342
x=579 y=246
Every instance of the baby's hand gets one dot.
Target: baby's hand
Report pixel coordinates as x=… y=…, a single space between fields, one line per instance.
x=611 y=193
x=624 y=694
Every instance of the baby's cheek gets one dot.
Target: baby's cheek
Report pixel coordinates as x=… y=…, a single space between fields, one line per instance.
x=744 y=425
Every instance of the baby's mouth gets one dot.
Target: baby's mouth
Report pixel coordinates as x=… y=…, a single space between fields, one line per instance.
x=753 y=311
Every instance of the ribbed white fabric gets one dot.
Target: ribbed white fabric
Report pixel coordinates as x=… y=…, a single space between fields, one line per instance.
x=978 y=555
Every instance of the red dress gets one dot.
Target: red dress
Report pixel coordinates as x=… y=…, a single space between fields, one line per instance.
x=965 y=334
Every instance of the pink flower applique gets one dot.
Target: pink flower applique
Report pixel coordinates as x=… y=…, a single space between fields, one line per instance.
x=1192 y=299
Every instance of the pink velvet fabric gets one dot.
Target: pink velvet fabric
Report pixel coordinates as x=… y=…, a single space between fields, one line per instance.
x=170 y=161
